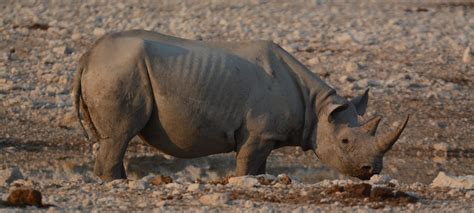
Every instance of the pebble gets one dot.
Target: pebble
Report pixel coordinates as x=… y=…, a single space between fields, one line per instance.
x=352 y=67
x=442 y=147
x=9 y=175
x=313 y=61
x=161 y=179
x=468 y=56
x=469 y=194
x=380 y=179
x=343 y=38
x=215 y=199
x=243 y=181
x=195 y=187
x=76 y=36
x=138 y=185
x=99 y=32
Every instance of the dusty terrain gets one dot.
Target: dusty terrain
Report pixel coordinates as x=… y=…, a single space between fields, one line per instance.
x=414 y=57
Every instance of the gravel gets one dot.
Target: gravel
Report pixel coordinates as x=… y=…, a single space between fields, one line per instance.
x=414 y=57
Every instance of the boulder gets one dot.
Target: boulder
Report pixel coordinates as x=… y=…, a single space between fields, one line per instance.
x=9 y=175
x=461 y=182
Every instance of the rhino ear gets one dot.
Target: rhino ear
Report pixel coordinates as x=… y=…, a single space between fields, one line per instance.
x=333 y=108
x=360 y=102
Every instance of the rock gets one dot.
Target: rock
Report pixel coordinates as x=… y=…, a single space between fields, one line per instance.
x=86 y=202
x=462 y=182
x=24 y=197
x=194 y=187
x=161 y=179
x=380 y=179
x=68 y=120
x=469 y=194
x=173 y=185
x=442 y=147
x=346 y=78
x=313 y=61
x=284 y=179
x=468 y=56
x=243 y=181
x=352 y=66
x=59 y=50
x=249 y=204
x=215 y=199
x=344 y=38
x=76 y=36
x=138 y=185
x=7 y=176
x=99 y=32
x=116 y=183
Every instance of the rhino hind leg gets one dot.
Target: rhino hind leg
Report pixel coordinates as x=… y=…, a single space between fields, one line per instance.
x=252 y=156
x=117 y=123
x=109 y=162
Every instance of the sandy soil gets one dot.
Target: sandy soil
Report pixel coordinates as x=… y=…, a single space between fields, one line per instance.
x=416 y=58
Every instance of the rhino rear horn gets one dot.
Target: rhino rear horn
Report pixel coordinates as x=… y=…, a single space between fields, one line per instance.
x=370 y=127
x=385 y=142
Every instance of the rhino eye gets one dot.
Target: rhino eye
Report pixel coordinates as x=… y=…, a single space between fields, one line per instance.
x=345 y=141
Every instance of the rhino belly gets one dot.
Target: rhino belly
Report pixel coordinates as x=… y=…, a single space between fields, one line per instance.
x=187 y=134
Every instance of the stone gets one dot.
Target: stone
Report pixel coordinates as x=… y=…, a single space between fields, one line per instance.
x=441 y=147
x=138 y=185
x=99 y=32
x=380 y=179
x=76 y=36
x=161 y=179
x=461 y=182
x=313 y=61
x=249 y=204
x=61 y=50
x=7 y=176
x=344 y=38
x=468 y=56
x=352 y=67
x=215 y=199
x=243 y=181
x=469 y=194
x=283 y=179
x=68 y=120
x=25 y=197
x=194 y=187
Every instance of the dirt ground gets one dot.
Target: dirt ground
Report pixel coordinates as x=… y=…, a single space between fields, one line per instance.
x=416 y=58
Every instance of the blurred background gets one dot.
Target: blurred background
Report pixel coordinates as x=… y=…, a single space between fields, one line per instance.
x=415 y=56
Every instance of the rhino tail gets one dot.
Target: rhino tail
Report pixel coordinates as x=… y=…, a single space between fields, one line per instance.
x=79 y=103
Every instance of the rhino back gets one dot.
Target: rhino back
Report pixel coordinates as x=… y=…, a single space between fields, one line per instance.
x=202 y=93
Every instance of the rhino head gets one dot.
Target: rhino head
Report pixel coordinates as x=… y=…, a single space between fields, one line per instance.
x=352 y=148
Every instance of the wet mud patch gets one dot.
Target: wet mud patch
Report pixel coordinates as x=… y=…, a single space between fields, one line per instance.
x=23 y=198
x=360 y=194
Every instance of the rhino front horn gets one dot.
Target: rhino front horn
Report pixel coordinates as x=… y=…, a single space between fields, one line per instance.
x=386 y=142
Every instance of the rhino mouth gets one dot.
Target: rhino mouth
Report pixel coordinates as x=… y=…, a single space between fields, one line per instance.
x=366 y=172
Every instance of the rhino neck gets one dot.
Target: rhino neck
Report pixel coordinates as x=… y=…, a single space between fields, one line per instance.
x=318 y=99
x=316 y=94
x=313 y=90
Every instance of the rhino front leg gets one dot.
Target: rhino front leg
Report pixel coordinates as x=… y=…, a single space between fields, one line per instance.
x=252 y=156
x=109 y=161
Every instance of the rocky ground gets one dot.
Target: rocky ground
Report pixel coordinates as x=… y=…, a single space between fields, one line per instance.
x=415 y=57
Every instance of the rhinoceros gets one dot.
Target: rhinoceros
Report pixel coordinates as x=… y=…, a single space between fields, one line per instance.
x=197 y=98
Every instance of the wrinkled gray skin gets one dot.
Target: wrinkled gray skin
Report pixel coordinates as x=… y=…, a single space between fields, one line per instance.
x=193 y=98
